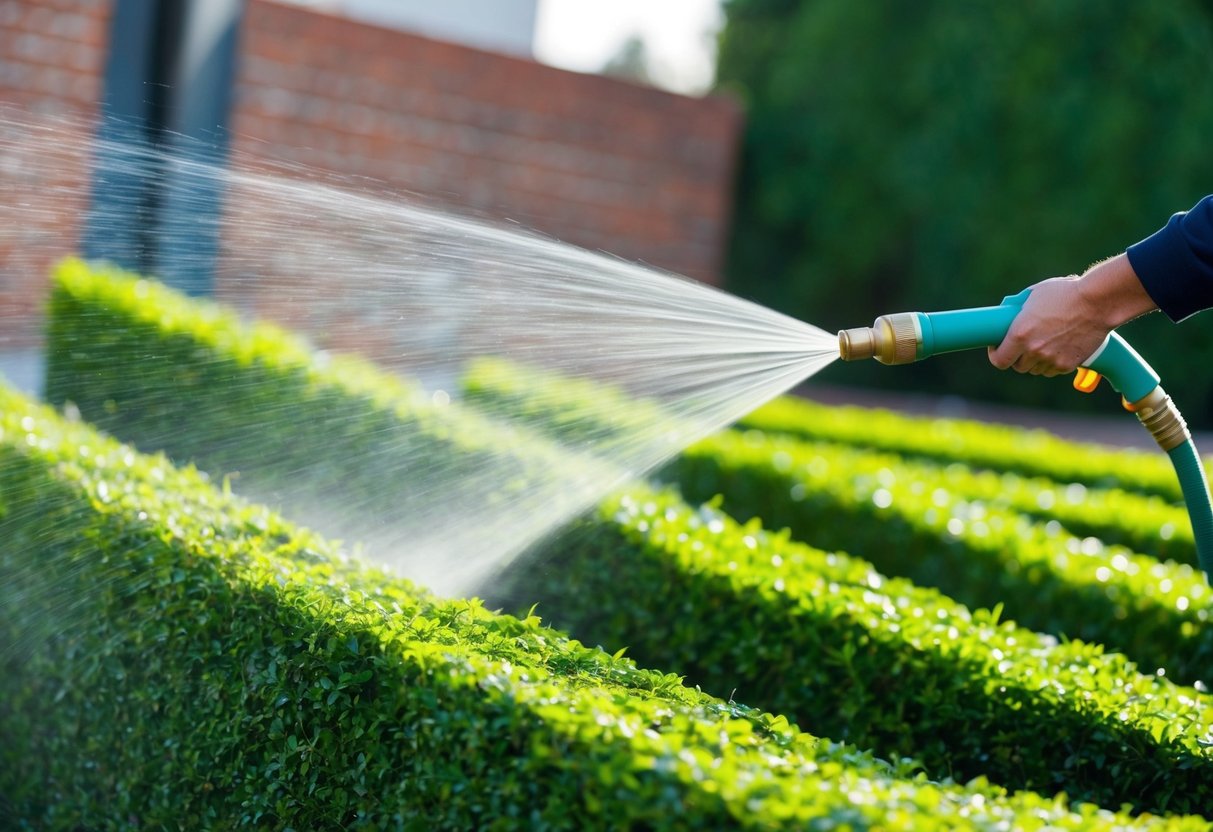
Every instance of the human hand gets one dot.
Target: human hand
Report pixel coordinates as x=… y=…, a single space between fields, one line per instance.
x=1065 y=319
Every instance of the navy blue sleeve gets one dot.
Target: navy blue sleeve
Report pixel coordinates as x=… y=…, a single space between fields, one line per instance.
x=1175 y=263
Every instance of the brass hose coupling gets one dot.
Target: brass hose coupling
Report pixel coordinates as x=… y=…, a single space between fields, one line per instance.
x=892 y=339
x=1158 y=413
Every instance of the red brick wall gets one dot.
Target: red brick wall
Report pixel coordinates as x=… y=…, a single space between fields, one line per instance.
x=640 y=173
x=52 y=57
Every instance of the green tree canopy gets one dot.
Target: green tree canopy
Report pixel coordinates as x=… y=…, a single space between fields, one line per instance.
x=936 y=155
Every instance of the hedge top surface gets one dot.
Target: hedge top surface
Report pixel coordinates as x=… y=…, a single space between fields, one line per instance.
x=329 y=379
x=1032 y=452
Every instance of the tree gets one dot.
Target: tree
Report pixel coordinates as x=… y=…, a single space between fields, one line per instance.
x=631 y=62
x=936 y=155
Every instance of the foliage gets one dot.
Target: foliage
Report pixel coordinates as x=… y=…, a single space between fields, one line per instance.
x=180 y=659
x=797 y=618
x=906 y=521
x=292 y=427
x=829 y=641
x=936 y=156
x=1033 y=453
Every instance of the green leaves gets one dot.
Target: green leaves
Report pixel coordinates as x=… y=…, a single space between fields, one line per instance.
x=854 y=654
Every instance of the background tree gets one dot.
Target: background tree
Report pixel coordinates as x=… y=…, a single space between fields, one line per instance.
x=630 y=62
x=933 y=155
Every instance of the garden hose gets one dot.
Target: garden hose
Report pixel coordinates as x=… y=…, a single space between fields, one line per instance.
x=912 y=336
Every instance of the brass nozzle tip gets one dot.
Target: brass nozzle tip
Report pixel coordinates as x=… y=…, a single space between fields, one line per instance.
x=856 y=344
x=892 y=339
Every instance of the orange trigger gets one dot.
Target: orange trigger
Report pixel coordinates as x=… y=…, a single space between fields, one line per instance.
x=1086 y=380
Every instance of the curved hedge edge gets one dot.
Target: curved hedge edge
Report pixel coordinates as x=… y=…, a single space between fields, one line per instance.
x=217 y=666
x=897 y=517
x=979 y=444
x=880 y=662
x=348 y=445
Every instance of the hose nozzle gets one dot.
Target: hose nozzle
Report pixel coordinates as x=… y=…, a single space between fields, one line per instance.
x=892 y=339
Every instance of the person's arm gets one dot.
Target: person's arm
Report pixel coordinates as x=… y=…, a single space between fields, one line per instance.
x=1175 y=263
x=1066 y=318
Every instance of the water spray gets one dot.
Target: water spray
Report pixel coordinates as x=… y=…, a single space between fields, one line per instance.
x=906 y=337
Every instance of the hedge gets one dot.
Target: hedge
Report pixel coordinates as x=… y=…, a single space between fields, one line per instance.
x=186 y=660
x=910 y=525
x=569 y=409
x=923 y=522
x=1033 y=453
x=724 y=579
x=330 y=438
x=880 y=662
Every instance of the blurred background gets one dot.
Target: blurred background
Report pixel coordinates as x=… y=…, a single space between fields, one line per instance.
x=831 y=159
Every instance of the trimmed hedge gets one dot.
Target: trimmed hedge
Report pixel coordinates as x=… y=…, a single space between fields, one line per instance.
x=927 y=523
x=880 y=662
x=569 y=408
x=909 y=524
x=329 y=438
x=190 y=661
x=1033 y=453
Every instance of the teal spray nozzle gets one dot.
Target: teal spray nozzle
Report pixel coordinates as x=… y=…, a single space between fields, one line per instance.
x=912 y=336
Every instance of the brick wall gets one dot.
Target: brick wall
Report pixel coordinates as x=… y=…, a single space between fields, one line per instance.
x=640 y=173
x=52 y=56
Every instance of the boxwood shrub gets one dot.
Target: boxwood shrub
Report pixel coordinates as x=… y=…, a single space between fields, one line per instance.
x=1033 y=453
x=175 y=658
x=829 y=641
x=1146 y=523
x=329 y=438
x=910 y=524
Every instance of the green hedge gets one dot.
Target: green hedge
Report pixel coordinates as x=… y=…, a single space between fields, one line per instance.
x=331 y=439
x=569 y=409
x=880 y=662
x=909 y=524
x=827 y=639
x=182 y=660
x=1033 y=453
x=938 y=526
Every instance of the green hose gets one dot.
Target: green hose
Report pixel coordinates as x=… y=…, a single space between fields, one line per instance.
x=1196 y=495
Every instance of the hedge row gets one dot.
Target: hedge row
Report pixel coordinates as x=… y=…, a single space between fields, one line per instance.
x=880 y=662
x=931 y=524
x=189 y=661
x=1144 y=523
x=569 y=409
x=824 y=645
x=1033 y=453
x=295 y=429
x=907 y=523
